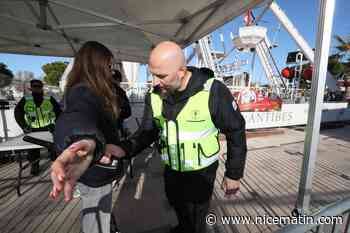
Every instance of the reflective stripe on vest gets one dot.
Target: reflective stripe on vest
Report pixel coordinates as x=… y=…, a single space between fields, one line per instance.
x=191 y=142
x=39 y=117
x=194 y=135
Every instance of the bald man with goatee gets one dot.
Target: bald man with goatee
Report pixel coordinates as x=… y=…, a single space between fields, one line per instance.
x=184 y=113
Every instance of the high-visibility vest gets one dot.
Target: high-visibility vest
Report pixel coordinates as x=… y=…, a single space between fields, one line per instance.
x=39 y=117
x=191 y=141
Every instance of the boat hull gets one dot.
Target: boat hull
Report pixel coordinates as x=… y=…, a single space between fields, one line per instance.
x=295 y=114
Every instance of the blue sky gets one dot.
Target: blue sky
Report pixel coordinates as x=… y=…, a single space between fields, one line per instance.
x=303 y=13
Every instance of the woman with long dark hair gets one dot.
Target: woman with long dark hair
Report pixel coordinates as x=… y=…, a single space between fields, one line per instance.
x=85 y=131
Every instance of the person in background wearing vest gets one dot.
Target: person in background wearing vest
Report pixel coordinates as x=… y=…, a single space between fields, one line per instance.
x=184 y=112
x=34 y=113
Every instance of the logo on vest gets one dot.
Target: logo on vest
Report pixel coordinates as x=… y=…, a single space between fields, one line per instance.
x=195 y=115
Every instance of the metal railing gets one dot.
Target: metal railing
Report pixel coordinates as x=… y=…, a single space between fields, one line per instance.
x=339 y=209
x=136 y=94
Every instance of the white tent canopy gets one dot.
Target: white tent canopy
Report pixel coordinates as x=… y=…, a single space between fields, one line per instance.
x=128 y=27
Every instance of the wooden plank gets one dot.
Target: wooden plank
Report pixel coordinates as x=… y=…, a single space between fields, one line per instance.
x=272 y=183
x=221 y=209
x=316 y=180
x=38 y=216
x=14 y=202
x=328 y=190
x=70 y=218
x=266 y=228
x=76 y=227
x=8 y=180
x=291 y=175
x=249 y=209
x=7 y=171
x=22 y=212
x=260 y=207
x=7 y=199
x=15 y=209
x=50 y=218
x=282 y=182
x=332 y=173
x=257 y=184
x=59 y=221
x=229 y=209
x=26 y=190
x=326 y=184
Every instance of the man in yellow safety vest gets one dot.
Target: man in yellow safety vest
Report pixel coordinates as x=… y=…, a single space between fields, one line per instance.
x=36 y=112
x=185 y=112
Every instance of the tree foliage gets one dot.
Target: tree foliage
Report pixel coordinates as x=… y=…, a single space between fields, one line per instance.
x=6 y=75
x=53 y=72
x=339 y=63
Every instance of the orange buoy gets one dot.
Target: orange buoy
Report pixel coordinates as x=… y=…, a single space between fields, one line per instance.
x=288 y=73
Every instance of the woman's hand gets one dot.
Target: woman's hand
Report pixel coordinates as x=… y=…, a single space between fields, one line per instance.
x=110 y=152
x=69 y=166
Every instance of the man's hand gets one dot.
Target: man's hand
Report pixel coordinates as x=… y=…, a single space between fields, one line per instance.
x=112 y=151
x=69 y=166
x=230 y=186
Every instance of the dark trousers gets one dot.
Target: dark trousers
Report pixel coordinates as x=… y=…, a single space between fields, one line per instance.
x=189 y=193
x=33 y=154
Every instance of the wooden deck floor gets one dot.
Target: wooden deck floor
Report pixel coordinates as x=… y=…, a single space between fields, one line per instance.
x=269 y=188
x=33 y=211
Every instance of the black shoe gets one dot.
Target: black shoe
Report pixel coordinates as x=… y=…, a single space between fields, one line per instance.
x=176 y=229
x=35 y=169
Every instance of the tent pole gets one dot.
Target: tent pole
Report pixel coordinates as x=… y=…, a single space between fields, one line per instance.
x=323 y=40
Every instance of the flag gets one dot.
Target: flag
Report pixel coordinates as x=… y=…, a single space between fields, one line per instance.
x=249 y=18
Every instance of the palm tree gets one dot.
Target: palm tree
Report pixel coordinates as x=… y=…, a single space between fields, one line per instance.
x=344 y=45
x=339 y=63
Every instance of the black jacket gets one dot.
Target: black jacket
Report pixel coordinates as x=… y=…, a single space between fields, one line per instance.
x=19 y=111
x=84 y=116
x=125 y=109
x=224 y=113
